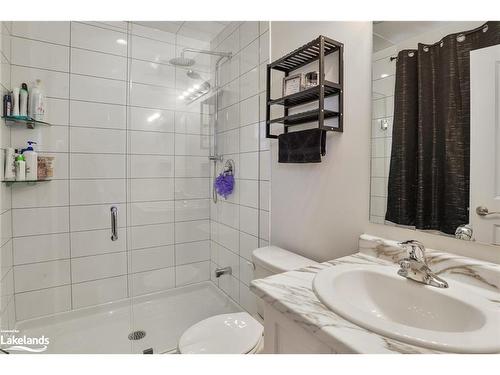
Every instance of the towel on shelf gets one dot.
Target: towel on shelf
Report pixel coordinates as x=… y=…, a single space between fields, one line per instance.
x=305 y=146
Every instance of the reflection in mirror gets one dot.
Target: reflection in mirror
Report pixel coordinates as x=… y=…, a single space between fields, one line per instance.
x=423 y=146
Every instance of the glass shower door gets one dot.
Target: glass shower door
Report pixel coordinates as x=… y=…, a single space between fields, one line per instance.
x=69 y=234
x=150 y=170
x=168 y=184
x=98 y=189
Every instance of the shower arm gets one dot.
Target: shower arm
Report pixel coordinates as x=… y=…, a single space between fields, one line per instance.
x=206 y=52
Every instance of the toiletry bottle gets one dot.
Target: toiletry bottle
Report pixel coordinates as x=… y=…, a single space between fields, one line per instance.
x=15 y=102
x=31 y=158
x=20 y=168
x=37 y=102
x=6 y=105
x=23 y=100
x=4 y=111
x=10 y=164
x=45 y=167
x=9 y=104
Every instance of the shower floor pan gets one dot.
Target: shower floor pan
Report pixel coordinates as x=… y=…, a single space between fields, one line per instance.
x=162 y=316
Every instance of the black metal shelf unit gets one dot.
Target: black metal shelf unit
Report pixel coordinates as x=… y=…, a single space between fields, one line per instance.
x=317 y=49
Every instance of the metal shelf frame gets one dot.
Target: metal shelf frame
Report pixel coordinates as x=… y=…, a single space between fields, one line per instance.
x=315 y=50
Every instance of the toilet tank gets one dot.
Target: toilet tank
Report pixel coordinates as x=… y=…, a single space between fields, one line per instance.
x=271 y=260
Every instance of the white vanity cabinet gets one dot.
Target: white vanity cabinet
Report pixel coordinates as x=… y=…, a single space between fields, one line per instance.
x=284 y=336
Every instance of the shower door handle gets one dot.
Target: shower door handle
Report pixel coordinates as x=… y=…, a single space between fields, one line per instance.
x=114 y=223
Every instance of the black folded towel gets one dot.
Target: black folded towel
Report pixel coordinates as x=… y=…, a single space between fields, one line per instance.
x=305 y=146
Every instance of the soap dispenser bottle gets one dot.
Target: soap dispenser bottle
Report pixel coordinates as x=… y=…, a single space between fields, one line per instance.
x=31 y=158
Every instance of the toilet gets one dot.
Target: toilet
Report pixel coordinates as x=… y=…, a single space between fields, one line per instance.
x=240 y=333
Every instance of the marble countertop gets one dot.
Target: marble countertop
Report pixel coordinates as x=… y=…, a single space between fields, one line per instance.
x=292 y=294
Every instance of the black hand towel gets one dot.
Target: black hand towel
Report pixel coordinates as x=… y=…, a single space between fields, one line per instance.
x=305 y=146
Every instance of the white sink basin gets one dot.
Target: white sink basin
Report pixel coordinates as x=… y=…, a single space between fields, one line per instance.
x=376 y=298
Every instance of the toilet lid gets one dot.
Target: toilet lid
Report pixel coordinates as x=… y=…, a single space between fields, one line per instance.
x=235 y=333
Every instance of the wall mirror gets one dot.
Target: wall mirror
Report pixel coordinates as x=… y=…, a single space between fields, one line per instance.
x=435 y=159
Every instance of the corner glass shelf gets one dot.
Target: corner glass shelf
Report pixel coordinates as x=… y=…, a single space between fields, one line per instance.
x=26 y=120
x=29 y=182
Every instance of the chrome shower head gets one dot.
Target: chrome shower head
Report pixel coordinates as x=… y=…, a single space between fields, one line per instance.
x=182 y=61
x=185 y=61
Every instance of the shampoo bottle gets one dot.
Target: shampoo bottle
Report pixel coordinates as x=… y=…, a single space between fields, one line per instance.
x=37 y=102
x=31 y=158
x=23 y=100
x=15 y=102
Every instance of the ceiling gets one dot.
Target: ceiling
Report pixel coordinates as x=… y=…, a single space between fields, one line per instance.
x=389 y=33
x=201 y=30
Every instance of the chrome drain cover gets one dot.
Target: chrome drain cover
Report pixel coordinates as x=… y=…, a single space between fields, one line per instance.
x=137 y=335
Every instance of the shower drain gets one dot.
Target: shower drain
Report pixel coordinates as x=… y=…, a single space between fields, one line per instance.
x=137 y=335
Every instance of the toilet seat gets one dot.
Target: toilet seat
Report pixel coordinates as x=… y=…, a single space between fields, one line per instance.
x=234 y=333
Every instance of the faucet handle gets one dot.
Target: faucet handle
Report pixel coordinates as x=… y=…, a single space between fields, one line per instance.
x=405 y=264
x=416 y=250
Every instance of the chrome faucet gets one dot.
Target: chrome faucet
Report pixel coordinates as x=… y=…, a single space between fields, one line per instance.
x=415 y=266
x=223 y=271
x=464 y=232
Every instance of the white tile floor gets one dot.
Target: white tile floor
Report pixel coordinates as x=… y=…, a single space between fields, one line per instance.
x=105 y=328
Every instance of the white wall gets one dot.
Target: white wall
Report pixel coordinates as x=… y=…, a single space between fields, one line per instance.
x=240 y=224
x=319 y=210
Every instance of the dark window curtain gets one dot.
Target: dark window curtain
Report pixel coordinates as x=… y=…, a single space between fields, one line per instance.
x=429 y=171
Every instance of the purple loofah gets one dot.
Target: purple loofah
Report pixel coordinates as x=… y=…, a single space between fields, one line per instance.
x=224 y=184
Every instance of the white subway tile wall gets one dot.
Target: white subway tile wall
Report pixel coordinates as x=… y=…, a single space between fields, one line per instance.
x=7 y=301
x=240 y=224
x=136 y=147
x=383 y=78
